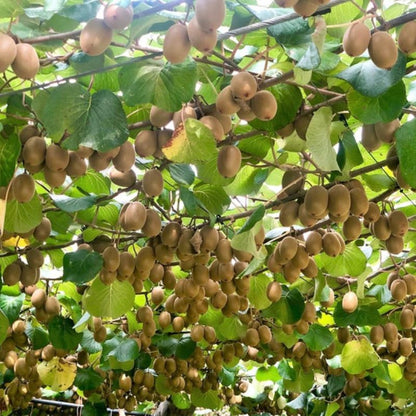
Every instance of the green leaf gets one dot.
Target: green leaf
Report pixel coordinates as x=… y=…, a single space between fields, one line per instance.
x=226 y=377
x=193 y=144
x=81 y=266
x=9 y=152
x=93 y=183
x=248 y=181
x=181 y=173
x=245 y=241
x=288 y=309
x=181 y=400
x=372 y=81
x=22 y=217
x=267 y=374
x=363 y=315
x=310 y=59
x=257 y=294
x=353 y=155
x=255 y=217
x=166 y=86
x=4 y=326
x=384 y=107
x=126 y=350
x=212 y=199
x=406 y=149
x=110 y=301
x=208 y=400
x=318 y=337
x=352 y=262
x=62 y=334
x=189 y=201
x=185 y=347
x=331 y=408
x=229 y=328
x=166 y=344
x=68 y=204
x=357 y=356
x=286 y=371
x=87 y=379
x=11 y=306
x=37 y=335
x=318 y=140
x=162 y=385
x=97 y=121
x=335 y=384
x=94 y=408
x=89 y=344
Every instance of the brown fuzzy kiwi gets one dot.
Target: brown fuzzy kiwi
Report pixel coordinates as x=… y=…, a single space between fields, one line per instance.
x=313 y=243
x=127 y=265
x=38 y=298
x=123 y=179
x=383 y=50
x=125 y=157
x=410 y=280
x=199 y=38
x=407 y=36
x=291 y=272
x=395 y=245
x=407 y=318
x=160 y=117
x=301 y=259
x=176 y=44
x=95 y=37
x=390 y=331
x=339 y=201
x=398 y=289
x=264 y=105
x=56 y=158
x=398 y=223
x=43 y=230
x=316 y=200
x=369 y=138
x=118 y=17
x=197 y=333
x=305 y=217
x=405 y=347
x=157 y=295
x=288 y=248
x=34 y=258
x=210 y=238
x=26 y=62
x=359 y=202
x=23 y=187
x=331 y=244
x=246 y=114
x=243 y=86
x=286 y=131
x=292 y=181
x=265 y=334
x=385 y=131
x=171 y=233
x=54 y=178
x=152 y=183
x=356 y=39
x=8 y=51
x=381 y=228
x=351 y=228
x=27 y=132
x=393 y=163
x=12 y=273
x=210 y=14
x=373 y=213
x=305 y=8
x=100 y=334
x=377 y=334
x=183 y=114
x=111 y=258
x=214 y=125
x=133 y=216
x=286 y=3
x=98 y=161
x=225 y=103
x=251 y=338
x=34 y=151
x=229 y=161
x=309 y=313
x=349 y=302
x=153 y=224
x=145 y=143
x=76 y=166
x=301 y=125
x=289 y=213
x=311 y=270
x=52 y=306
x=274 y=291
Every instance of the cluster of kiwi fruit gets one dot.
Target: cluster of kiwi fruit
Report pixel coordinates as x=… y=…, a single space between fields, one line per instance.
x=381 y=45
x=97 y=34
x=303 y=8
x=22 y=57
x=201 y=31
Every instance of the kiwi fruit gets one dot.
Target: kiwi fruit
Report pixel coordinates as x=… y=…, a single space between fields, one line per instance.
x=8 y=52
x=118 y=17
x=200 y=39
x=210 y=14
x=98 y=161
x=305 y=217
x=305 y=8
x=223 y=251
x=331 y=244
x=225 y=103
x=301 y=258
x=23 y=187
x=377 y=334
x=54 y=178
x=292 y=181
x=133 y=216
x=34 y=151
x=125 y=157
x=400 y=179
x=127 y=265
x=197 y=333
x=12 y=273
x=52 y=306
x=394 y=245
x=157 y=294
x=373 y=213
x=407 y=318
x=243 y=86
x=251 y=337
x=76 y=165
x=289 y=213
x=349 y=302
x=288 y=248
x=381 y=228
x=95 y=37
x=313 y=243
x=145 y=143
x=264 y=105
x=160 y=117
x=153 y=224
x=398 y=289
x=301 y=124
x=274 y=291
x=171 y=233
x=176 y=44
x=390 y=331
x=183 y=114
x=356 y=39
x=383 y=50
x=265 y=334
x=286 y=3
x=410 y=280
x=100 y=334
x=339 y=201
x=229 y=161
x=111 y=258
x=152 y=183
x=26 y=62
x=291 y=272
x=214 y=125
x=316 y=200
x=385 y=131
x=56 y=158
x=405 y=347
x=359 y=203
x=34 y=258
x=123 y=179
x=43 y=230
x=351 y=228
x=407 y=36
x=369 y=139
x=398 y=223
x=209 y=334
x=210 y=238
x=246 y=114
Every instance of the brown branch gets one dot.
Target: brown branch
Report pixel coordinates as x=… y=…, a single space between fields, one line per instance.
x=53 y=36
x=372 y=167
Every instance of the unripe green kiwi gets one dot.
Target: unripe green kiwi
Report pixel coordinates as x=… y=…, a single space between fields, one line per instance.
x=145 y=143
x=264 y=105
x=202 y=40
x=210 y=14
x=23 y=187
x=243 y=86
x=349 y=302
x=152 y=183
x=95 y=37
x=229 y=161
x=383 y=50
x=356 y=39
x=8 y=51
x=118 y=17
x=26 y=62
x=407 y=36
x=176 y=44
x=225 y=102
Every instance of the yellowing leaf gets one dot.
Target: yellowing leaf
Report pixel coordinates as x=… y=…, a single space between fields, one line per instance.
x=57 y=374
x=16 y=242
x=2 y=215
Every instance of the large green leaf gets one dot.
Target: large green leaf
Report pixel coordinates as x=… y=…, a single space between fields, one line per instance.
x=185 y=348
x=363 y=315
x=257 y=294
x=318 y=337
x=81 y=266
x=110 y=301
x=193 y=144
x=230 y=328
x=267 y=374
x=126 y=350
x=62 y=334
x=37 y=335
x=68 y=204
x=4 y=326
x=288 y=309
x=9 y=152
x=371 y=80
x=212 y=199
x=87 y=379
x=318 y=140
x=208 y=400
x=384 y=107
x=22 y=217
x=166 y=86
x=357 y=356
x=245 y=241
x=97 y=121
x=11 y=306
x=406 y=150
